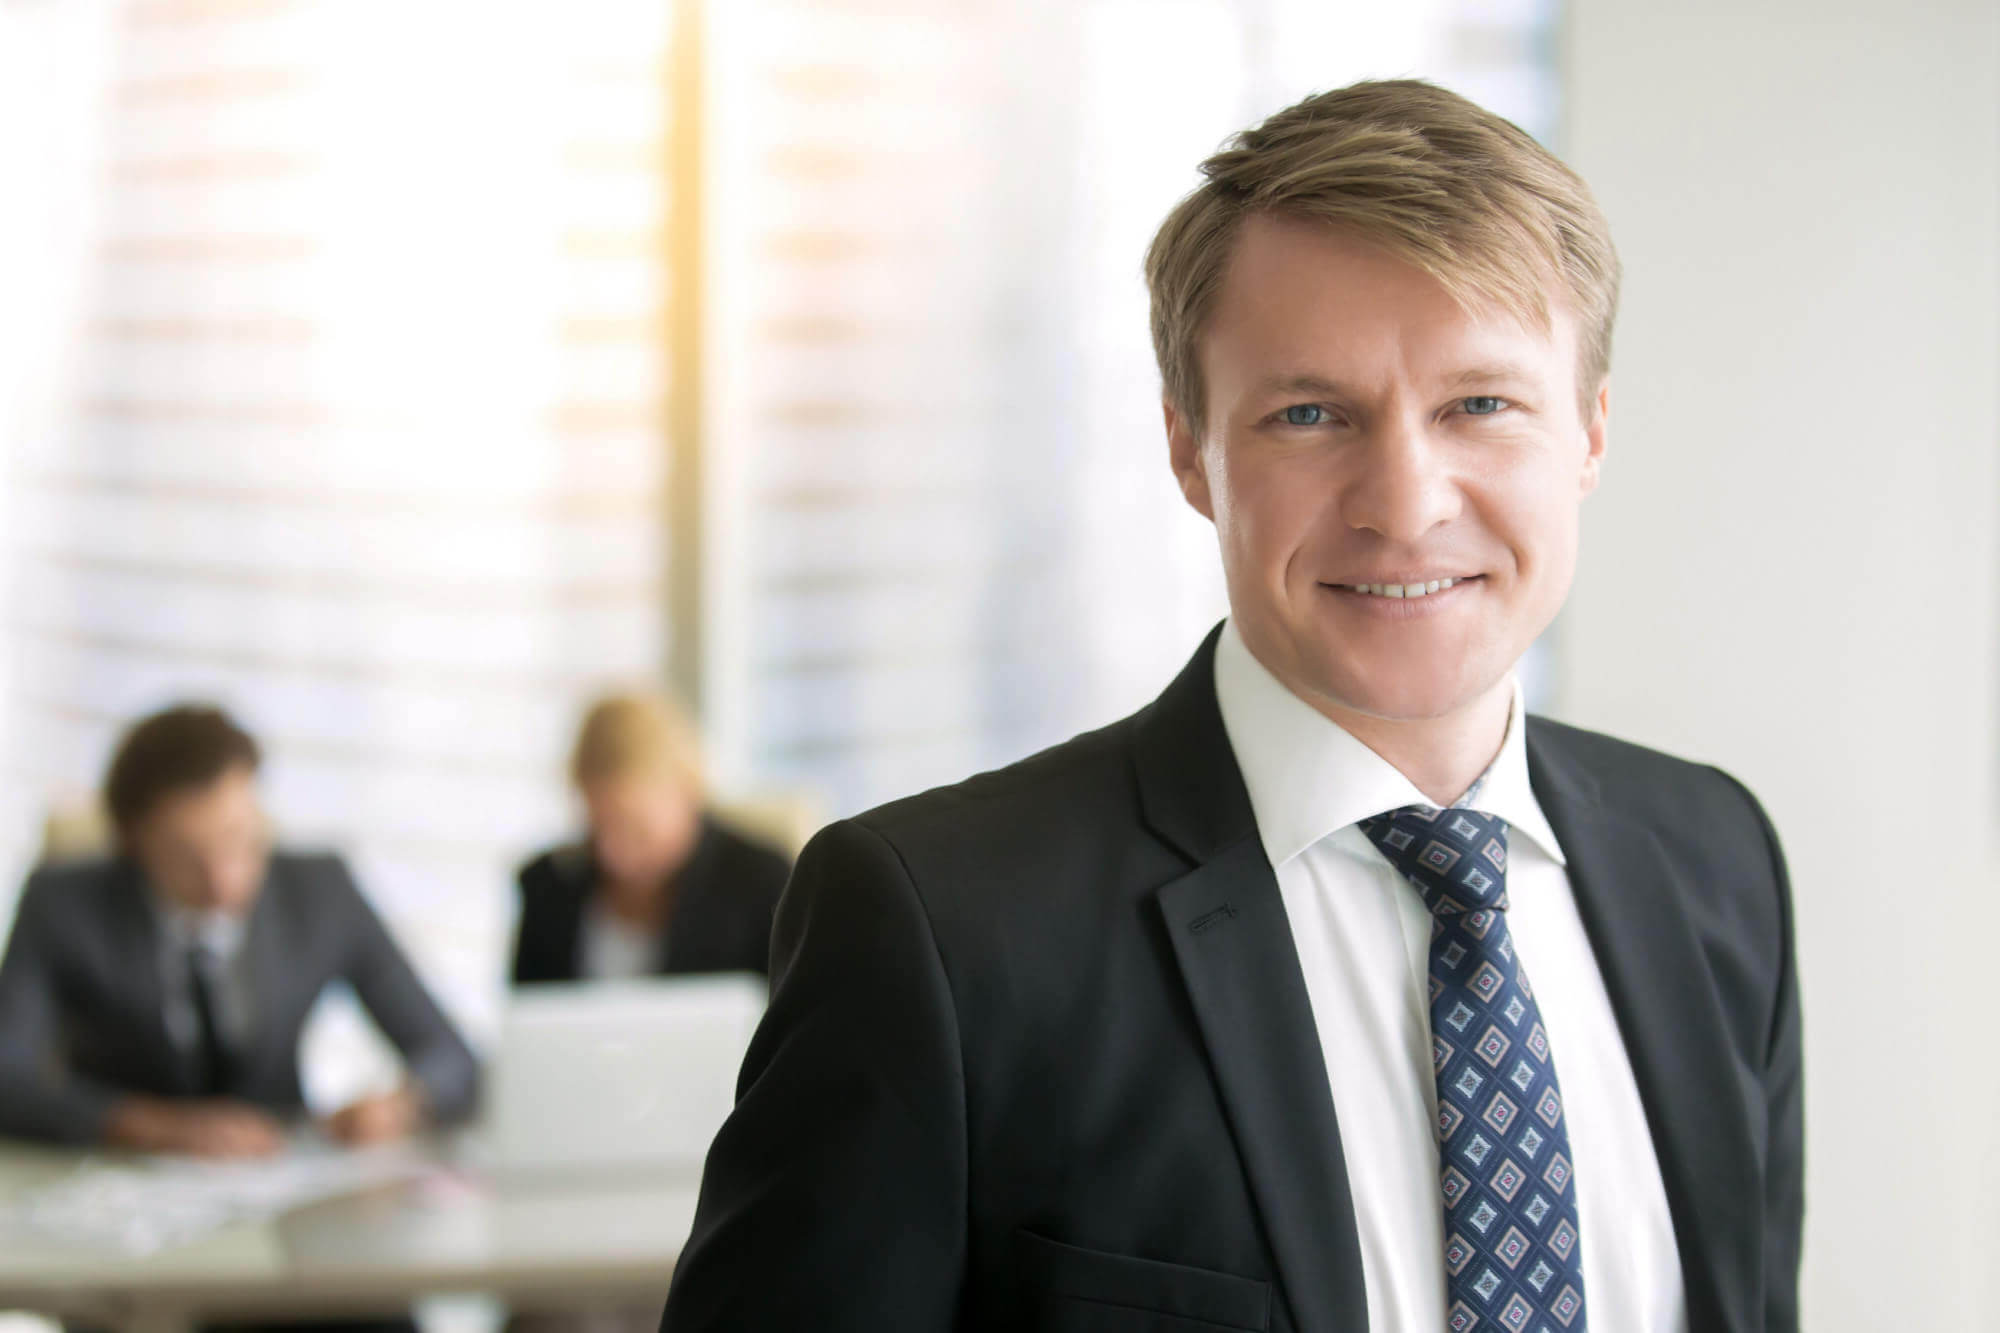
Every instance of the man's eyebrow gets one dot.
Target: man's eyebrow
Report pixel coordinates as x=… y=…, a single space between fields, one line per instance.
x=1491 y=372
x=1313 y=385
x=1310 y=385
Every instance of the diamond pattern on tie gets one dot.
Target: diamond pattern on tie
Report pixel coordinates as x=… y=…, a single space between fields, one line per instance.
x=1513 y=1261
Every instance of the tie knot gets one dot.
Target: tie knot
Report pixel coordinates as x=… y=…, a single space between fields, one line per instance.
x=1456 y=858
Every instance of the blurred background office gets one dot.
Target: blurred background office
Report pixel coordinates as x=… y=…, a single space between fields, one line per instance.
x=402 y=374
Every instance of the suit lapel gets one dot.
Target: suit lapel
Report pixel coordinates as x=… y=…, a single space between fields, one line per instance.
x=557 y=930
x=683 y=934
x=271 y=960
x=138 y=960
x=1233 y=942
x=1672 y=1024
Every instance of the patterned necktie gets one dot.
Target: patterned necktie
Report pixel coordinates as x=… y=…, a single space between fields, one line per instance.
x=1513 y=1258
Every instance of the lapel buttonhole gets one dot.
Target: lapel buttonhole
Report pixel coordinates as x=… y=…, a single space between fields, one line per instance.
x=1213 y=918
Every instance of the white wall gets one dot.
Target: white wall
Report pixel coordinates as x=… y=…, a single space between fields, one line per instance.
x=1792 y=569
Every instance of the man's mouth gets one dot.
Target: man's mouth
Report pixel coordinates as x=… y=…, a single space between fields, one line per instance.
x=1404 y=591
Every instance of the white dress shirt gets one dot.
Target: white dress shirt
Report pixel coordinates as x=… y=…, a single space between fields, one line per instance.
x=1363 y=937
x=614 y=949
x=221 y=934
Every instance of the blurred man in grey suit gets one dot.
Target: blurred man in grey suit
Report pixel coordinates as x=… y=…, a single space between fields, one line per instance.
x=153 y=1000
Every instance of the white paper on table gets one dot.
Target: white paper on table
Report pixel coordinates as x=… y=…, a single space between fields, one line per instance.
x=140 y=1207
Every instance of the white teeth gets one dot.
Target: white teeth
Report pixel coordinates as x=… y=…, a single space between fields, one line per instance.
x=1404 y=589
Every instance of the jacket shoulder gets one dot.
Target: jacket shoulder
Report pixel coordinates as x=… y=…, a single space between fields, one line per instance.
x=1680 y=799
x=1015 y=804
x=1058 y=835
x=75 y=889
x=70 y=878
x=753 y=871
x=310 y=863
x=563 y=869
x=315 y=872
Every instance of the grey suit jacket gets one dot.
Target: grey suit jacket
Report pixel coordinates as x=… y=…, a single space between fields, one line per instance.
x=82 y=1001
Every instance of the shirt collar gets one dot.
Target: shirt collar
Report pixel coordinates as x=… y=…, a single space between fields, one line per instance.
x=1308 y=777
x=220 y=933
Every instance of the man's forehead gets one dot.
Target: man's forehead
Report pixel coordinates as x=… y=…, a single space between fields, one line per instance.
x=1286 y=271
x=225 y=794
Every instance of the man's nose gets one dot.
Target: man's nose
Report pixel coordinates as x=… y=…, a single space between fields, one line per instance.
x=209 y=883
x=1405 y=485
x=216 y=878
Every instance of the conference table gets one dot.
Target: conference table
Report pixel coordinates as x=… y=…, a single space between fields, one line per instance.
x=539 y=1243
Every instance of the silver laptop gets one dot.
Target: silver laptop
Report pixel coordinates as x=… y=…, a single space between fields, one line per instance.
x=617 y=1075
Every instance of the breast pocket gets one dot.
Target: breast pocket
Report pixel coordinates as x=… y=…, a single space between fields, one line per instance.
x=1069 y=1289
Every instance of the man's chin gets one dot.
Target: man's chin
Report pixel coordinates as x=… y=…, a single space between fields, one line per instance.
x=1393 y=699
x=1338 y=675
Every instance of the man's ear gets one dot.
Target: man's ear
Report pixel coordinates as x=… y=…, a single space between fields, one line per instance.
x=1594 y=436
x=1184 y=452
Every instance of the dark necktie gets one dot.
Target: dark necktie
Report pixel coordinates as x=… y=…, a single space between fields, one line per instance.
x=1513 y=1257
x=213 y=1072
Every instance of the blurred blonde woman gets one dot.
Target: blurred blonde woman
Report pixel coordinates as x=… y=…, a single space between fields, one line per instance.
x=657 y=885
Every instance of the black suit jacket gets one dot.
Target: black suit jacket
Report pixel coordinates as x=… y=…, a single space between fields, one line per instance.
x=724 y=898
x=82 y=1001
x=1040 y=1056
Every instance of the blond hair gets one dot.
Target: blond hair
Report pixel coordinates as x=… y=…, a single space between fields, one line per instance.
x=1434 y=179
x=637 y=733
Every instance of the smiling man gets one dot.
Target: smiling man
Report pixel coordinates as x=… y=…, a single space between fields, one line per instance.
x=1331 y=991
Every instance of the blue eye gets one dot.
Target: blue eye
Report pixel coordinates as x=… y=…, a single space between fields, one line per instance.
x=1305 y=414
x=1481 y=407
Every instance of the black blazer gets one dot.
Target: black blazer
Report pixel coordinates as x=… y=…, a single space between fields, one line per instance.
x=724 y=898
x=1040 y=1056
x=81 y=998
